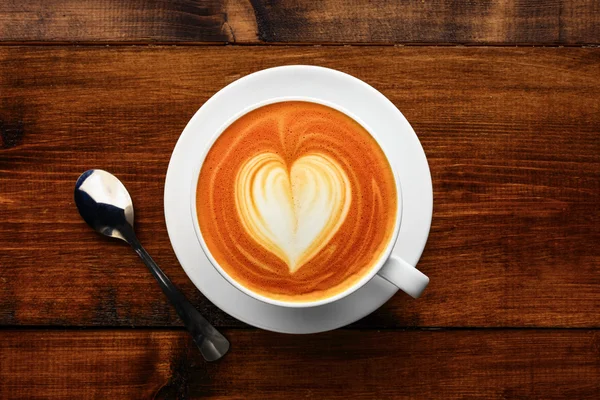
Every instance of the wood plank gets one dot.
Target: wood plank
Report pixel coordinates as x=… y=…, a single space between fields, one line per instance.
x=511 y=135
x=109 y=20
x=84 y=364
x=342 y=364
x=562 y=22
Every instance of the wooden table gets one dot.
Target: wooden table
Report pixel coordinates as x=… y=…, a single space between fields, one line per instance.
x=504 y=96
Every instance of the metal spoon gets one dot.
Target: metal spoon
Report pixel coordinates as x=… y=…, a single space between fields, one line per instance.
x=106 y=206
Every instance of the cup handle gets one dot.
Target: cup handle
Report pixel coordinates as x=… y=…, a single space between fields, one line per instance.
x=403 y=275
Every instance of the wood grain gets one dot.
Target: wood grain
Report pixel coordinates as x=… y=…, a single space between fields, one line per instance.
x=553 y=22
x=392 y=364
x=511 y=136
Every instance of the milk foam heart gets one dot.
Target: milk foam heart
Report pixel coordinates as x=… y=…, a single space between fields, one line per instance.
x=292 y=214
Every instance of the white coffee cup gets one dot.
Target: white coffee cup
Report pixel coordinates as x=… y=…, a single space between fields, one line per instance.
x=389 y=266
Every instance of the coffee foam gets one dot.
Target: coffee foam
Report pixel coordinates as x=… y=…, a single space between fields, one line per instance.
x=292 y=215
x=296 y=201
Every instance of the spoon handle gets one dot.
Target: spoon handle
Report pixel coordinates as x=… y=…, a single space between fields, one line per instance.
x=211 y=343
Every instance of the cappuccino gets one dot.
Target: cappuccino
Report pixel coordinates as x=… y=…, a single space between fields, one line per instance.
x=296 y=201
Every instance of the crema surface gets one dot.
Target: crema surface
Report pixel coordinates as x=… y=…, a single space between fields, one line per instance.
x=296 y=201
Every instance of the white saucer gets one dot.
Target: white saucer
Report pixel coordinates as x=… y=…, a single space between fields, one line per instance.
x=328 y=85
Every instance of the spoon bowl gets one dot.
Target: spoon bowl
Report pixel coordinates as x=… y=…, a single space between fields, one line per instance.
x=103 y=202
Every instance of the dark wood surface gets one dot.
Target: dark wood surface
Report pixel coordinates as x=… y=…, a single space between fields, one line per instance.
x=512 y=136
x=362 y=364
x=539 y=22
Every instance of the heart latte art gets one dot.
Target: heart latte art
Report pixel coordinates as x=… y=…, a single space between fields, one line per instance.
x=296 y=201
x=292 y=215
